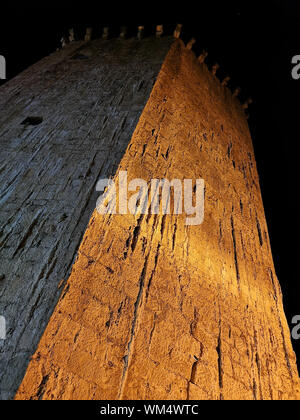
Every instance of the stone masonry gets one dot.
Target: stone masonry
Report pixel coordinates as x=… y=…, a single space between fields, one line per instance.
x=153 y=309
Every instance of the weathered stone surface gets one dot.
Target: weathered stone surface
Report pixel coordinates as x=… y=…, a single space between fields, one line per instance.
x=155 y=309
x=64 y=122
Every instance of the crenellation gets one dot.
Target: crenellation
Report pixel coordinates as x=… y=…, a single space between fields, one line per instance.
x=225 y=81
x=159 y=31
x=140 y=33
x=246 y=104
x=71 y=35
x=123 y=32
x=105 y=33
x=88 y=35
x=177 y=31
x=63 y=41
x=202 y=57
x=190 y=44
x=214 y=69
x=236 y=92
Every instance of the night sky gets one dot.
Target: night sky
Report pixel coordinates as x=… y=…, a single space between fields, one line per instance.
x=253 y=42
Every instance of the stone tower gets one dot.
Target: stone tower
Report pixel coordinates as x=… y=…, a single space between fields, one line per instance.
x=152 y=308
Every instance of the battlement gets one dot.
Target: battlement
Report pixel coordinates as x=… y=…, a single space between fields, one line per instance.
x=158 y=33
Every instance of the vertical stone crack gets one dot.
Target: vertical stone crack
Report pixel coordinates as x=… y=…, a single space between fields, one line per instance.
x=219 y=353
x=259 y=232
x=192 y=377
x=133 y=324
x=235 y=253
x=153 y=271
x=136 y=233
x=42 y=387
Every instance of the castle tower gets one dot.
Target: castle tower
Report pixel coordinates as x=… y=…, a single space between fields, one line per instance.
x=153 y=308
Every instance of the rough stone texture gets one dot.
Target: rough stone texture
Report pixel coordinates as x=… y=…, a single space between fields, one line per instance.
x=90 y=96
x=155 y=309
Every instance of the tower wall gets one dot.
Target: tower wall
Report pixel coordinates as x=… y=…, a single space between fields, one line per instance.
x=64 y=122
x=156 y=309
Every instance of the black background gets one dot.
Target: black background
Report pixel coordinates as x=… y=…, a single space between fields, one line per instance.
x=253 y=42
